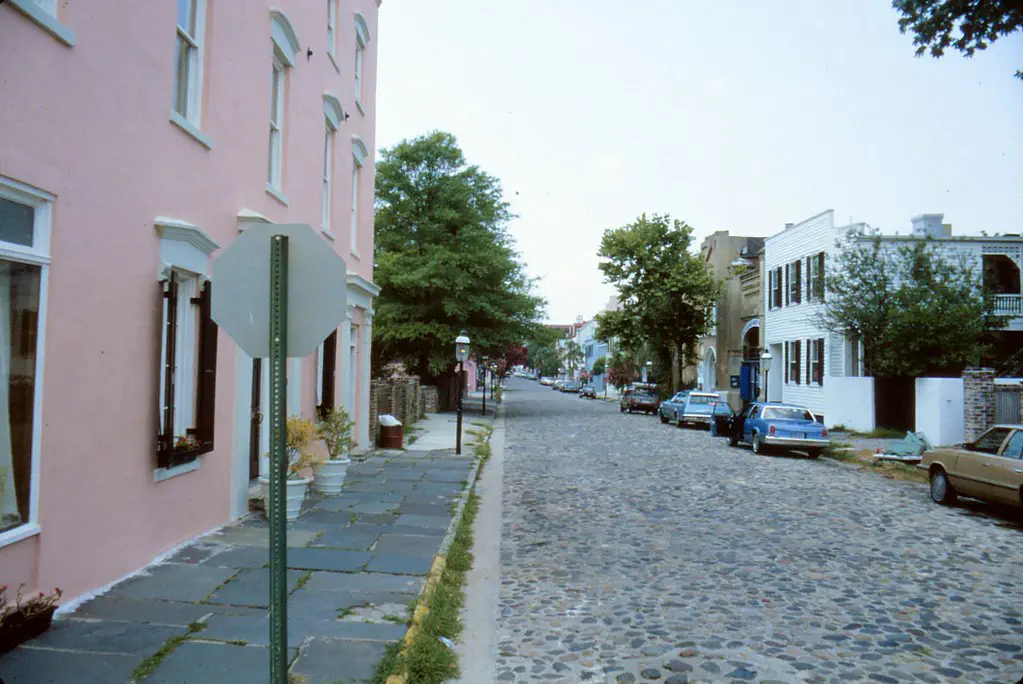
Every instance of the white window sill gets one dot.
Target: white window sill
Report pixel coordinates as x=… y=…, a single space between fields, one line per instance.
x=189 y=128
x=161 y=474
x=18 y=533
x=327 y=234
x=45 y=20
x=358 y=105
x=333 y=60
x=277 y=194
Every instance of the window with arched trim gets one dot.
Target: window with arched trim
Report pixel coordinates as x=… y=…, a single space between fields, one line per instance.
x=333 y=116
x=361 y=40
x=285 y=51
x=359 y=155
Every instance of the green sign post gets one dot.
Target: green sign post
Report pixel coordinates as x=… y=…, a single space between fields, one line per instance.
x=278 y=459
x=273 y=310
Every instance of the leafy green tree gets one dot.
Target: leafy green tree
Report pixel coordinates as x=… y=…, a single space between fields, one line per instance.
x=444 y=260
x=666 y=291
x=572 y=355
x=965 y=25
x=916 y=310
x=599 y=365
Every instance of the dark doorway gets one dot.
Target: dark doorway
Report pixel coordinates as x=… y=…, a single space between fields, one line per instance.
x=895 y=403
x=256 y=417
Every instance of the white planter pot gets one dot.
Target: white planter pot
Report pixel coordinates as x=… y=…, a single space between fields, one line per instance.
x=295 y=491
x=330 y=476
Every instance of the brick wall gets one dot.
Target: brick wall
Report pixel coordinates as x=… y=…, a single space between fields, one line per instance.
x=430 y=399
x=374 y=412
x=978 y=401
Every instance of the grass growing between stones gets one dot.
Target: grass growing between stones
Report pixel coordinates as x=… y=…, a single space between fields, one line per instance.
x=425 y=658
x=149 y=665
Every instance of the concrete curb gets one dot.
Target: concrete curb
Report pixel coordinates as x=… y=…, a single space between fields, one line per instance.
x=439 y=561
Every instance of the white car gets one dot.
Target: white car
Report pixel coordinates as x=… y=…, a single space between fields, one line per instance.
x=546 y=381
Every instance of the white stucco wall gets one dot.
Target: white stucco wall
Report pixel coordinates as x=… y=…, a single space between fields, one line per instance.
x=939 y=410
x=850 y=402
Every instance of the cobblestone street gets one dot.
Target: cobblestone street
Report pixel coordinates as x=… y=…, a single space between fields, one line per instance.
x=634 y=551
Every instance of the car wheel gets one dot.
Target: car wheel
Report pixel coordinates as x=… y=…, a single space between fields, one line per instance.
x=621 y=408
x=813 y=453
x=758 y=446
x=942 y=491
x=664 y=418
x=733 y=440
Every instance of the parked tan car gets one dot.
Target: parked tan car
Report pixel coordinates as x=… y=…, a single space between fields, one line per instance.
x=990 y=468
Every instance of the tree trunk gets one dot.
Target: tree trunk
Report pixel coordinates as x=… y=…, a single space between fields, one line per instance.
x=675 y=371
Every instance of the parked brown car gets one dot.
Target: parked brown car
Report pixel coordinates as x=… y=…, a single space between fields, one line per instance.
x=990 y=468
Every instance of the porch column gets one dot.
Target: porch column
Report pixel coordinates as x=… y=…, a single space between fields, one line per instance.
x=366 y=331
x=347 y=373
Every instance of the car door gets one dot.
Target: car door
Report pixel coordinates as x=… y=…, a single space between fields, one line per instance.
x=750 y=416
x=1007 y=471
x=978 y=463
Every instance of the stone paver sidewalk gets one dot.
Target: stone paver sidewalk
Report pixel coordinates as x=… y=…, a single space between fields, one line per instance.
x=356 y=562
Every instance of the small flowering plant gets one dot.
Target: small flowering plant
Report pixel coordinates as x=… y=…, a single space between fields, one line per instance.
x=301 y=432
x=24 y=608
x=185 y=442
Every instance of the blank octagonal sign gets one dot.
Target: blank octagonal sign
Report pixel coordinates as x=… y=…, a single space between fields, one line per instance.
x=316 y=289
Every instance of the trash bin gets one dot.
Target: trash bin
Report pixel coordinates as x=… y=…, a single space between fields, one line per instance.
x=391 y=436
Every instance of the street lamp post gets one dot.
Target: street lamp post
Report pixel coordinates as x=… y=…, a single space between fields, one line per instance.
x=765 y=361
x=484 y=365
x=461 y=354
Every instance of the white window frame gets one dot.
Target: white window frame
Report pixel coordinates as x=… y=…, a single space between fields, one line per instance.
x=361 y=41
x=190 y=120
x=38 y=254
x=45 y=13
x=328 y=163
x=332 y=32
x=359 y=155
x=276 y=141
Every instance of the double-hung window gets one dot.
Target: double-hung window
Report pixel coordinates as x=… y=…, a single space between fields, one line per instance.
x=191 y=20
x=328 y=161
x=331 y=34
x=273 y=172
x=359 y=155
x=24 y=262
x=361 y=40
x=188 y=347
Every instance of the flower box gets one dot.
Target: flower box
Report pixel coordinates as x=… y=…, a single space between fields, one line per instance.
x=16 y=628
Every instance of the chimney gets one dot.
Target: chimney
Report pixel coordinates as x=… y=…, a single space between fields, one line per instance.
x=929 y=225
x=789 y=225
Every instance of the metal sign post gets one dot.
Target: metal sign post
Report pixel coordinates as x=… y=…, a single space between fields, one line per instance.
x=278 y=459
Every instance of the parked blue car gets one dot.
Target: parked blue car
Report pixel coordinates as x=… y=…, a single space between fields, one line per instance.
x=698 y=409
x=776 y=425
x=670 y=409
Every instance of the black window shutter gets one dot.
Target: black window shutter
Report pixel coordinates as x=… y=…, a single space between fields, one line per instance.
x=798 y=294
x=770 y=289
x=820 y=275
x=788 y=289
x=778 y=285
x=786 y=363
x=820 y=360
x=796 y=350
x=809 y=366
x=165 y=441
x=809 y=279
x=207 y=382
x=329 y=372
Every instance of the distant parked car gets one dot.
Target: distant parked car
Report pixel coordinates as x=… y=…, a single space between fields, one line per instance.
x=546 y=381
x=698 y=408
x=670 y=409
x=990 y=468
x=570 y=387
x=775 y=425
x=638 y=398
x=557 y=385
x=588 y=392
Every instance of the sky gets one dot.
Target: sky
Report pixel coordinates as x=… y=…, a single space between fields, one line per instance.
x=730 y=115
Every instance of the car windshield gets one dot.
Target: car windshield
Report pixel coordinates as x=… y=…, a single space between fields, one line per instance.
x=587 y=387
x=787 y=413
x=681 y=396
x=642 y=394
x=699 y=400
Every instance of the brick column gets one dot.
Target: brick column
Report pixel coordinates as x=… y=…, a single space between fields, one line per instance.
x=978 y=401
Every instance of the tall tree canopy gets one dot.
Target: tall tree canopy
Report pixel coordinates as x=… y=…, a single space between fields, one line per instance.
x=916 y=310
x=444 y=259
x=666 y=292
x=965 y=25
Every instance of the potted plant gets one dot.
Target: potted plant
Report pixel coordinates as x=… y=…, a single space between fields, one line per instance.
x=335 y=429
x=300 y=457
x=25 y=619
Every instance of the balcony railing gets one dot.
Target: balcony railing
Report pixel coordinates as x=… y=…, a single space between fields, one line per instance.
x=1009 y=305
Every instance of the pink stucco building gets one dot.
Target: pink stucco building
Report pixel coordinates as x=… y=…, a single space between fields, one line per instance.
x=137 y=140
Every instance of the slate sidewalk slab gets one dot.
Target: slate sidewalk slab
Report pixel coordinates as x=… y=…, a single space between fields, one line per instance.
x=369 y=547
